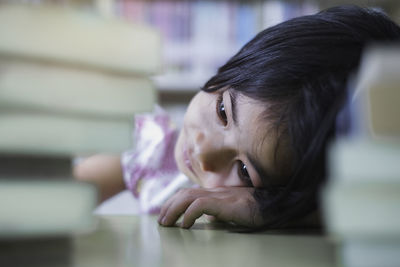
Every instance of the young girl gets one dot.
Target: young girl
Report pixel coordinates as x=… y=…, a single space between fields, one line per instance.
x=254 y=139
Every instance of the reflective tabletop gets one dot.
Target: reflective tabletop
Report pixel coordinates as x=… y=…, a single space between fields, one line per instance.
x=140 y=241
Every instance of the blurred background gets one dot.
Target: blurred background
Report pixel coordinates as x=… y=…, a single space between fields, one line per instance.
x=199 y=36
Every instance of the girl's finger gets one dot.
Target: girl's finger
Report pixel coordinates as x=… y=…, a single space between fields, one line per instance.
x=194 y=191
x=165 y=207
x=178 y=205
x=204 y=205
x=171 y=200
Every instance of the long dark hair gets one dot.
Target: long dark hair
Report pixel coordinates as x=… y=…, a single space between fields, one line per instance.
x=300 y=69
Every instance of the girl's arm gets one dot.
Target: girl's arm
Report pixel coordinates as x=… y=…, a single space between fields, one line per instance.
x=104 y=171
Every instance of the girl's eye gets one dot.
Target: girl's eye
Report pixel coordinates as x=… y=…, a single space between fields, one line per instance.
x=221 y=110
x=244 y=174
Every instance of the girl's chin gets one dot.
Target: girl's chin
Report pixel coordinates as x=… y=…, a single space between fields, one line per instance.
x=186 y=171
x=179 y=159
x=182 y=161
x=183 y=169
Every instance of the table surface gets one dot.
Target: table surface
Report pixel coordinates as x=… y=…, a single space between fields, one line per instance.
x=140 y=241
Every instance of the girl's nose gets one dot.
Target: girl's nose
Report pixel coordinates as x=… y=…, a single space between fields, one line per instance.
x=212 y=152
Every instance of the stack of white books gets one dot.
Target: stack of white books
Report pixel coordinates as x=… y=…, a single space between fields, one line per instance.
x=362 y=197
x=70 y=82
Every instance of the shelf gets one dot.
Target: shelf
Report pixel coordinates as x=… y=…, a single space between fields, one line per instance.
x=181 y=82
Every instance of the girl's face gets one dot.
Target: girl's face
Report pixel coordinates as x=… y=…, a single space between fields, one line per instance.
x=224 y=141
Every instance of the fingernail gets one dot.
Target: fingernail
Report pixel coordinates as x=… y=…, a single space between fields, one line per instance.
x=163 y=221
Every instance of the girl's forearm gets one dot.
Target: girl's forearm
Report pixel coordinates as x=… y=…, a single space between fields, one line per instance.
x=104 y=171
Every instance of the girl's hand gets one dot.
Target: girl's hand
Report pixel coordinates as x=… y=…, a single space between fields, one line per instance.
x=229 y=204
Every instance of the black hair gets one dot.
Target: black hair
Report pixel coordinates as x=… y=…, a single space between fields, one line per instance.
x=300 y=70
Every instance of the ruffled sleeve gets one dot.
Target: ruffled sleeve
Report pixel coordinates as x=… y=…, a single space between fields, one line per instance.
x=149 y=168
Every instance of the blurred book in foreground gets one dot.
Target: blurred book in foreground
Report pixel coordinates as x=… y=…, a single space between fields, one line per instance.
x=39 y=198
x=45 y=207
x=34 y=166
x=60 y=88
x=78 y=38
x=70 y=82
x=362 y=197
x=25 y=131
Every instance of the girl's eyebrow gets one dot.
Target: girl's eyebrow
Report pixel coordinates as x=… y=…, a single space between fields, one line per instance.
x=233 y=99
x=263 y=174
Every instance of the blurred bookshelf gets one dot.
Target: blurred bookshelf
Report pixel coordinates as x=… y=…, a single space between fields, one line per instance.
x=199 y=36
